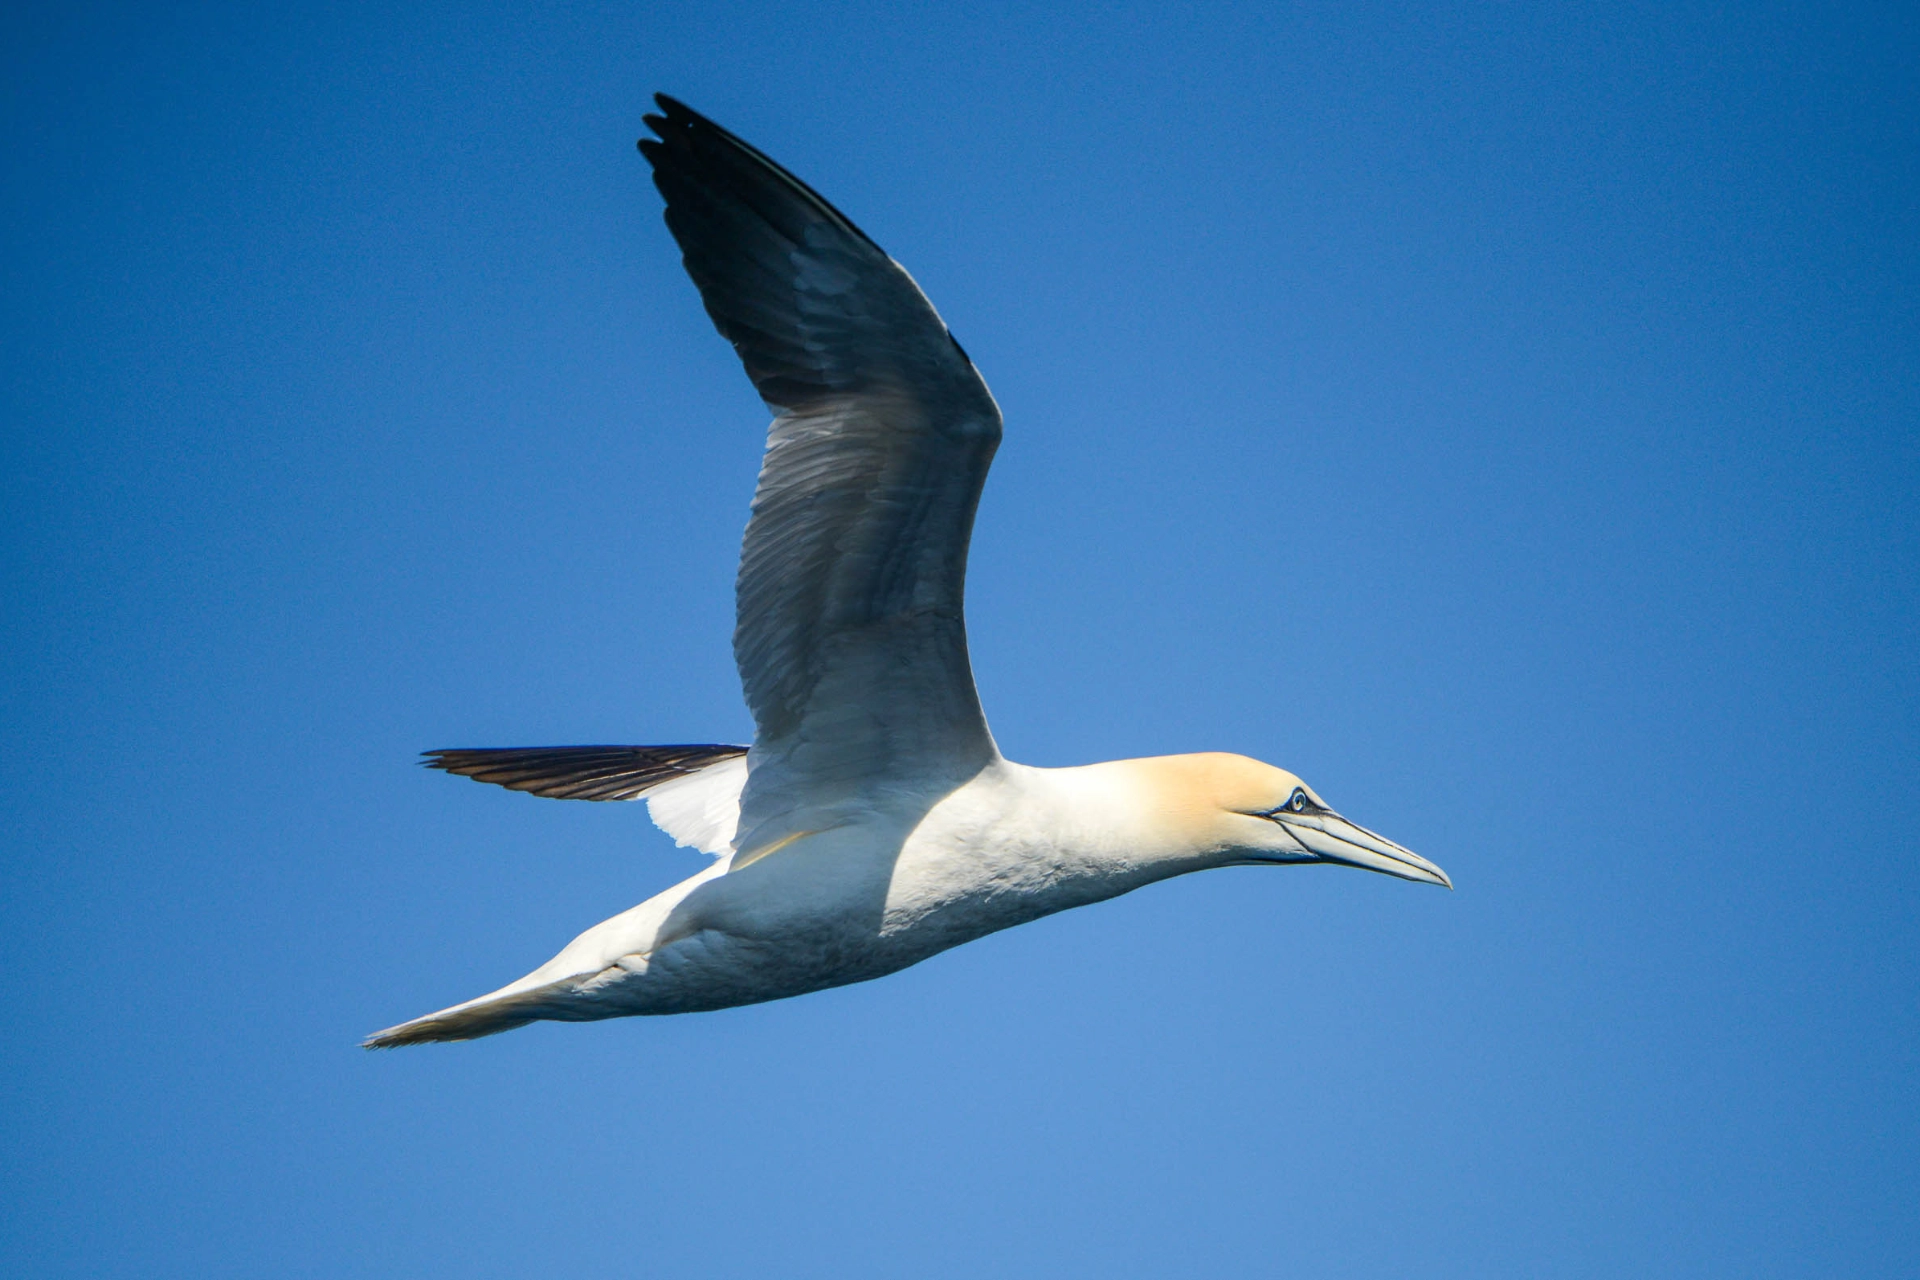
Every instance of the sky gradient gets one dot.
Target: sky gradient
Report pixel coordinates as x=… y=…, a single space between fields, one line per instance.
x=1504 y=417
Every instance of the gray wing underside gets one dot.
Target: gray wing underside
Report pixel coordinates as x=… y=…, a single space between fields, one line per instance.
x=850 y=635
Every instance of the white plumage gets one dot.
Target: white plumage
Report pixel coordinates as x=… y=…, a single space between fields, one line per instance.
x=874 y=822
x=701 y=810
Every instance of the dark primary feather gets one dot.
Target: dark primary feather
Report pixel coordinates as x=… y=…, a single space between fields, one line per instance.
x=850 y=638
x=580 y=773
x=747 y=230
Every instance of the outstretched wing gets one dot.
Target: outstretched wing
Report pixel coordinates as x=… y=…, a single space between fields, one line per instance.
x=692 y=791
x=580 y=773
x=849 y=637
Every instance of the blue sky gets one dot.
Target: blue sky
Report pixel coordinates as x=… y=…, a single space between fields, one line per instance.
x=1504 y=417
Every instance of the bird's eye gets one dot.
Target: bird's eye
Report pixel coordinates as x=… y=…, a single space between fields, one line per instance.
x=1299 y=802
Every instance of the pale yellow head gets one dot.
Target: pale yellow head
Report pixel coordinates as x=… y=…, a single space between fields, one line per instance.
x=1232 y=810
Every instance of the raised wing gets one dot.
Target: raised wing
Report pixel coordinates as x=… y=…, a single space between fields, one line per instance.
x=850 y=637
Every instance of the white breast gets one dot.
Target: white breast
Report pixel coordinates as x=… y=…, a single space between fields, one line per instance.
x=1014 y=844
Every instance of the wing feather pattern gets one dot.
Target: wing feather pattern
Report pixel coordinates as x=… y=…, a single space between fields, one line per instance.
x=850 y=635
x=580 y=773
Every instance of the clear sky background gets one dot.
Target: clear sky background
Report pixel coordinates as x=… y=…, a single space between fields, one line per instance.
x=1505 y=417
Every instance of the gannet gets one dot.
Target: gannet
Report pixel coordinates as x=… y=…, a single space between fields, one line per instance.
x=872 y=822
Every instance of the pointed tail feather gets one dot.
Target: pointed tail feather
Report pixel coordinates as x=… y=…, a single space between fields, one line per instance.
x=489 y=1016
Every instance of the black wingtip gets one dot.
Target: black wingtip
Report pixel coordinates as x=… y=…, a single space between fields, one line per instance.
x=669 y=106
x=580 y=773
x=684 y=132
x=674 y=114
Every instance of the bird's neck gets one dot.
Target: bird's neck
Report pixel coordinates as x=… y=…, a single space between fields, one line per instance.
x=1139 y=819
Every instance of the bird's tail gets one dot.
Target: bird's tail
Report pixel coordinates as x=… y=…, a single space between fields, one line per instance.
x=487 y=1016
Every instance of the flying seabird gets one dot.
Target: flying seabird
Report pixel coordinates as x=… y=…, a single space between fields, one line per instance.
x=873 y=822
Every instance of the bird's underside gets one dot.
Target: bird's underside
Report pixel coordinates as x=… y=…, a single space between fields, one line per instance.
x=873 y=822
x=905 y=877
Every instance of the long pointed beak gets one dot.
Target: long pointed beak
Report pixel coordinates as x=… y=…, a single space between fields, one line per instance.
x=1332 y=838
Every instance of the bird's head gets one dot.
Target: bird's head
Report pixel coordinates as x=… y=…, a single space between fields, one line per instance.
x=1244 y=812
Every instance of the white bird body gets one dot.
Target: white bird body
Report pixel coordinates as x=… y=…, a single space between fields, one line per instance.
x=886 y=888
x=873 y=823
